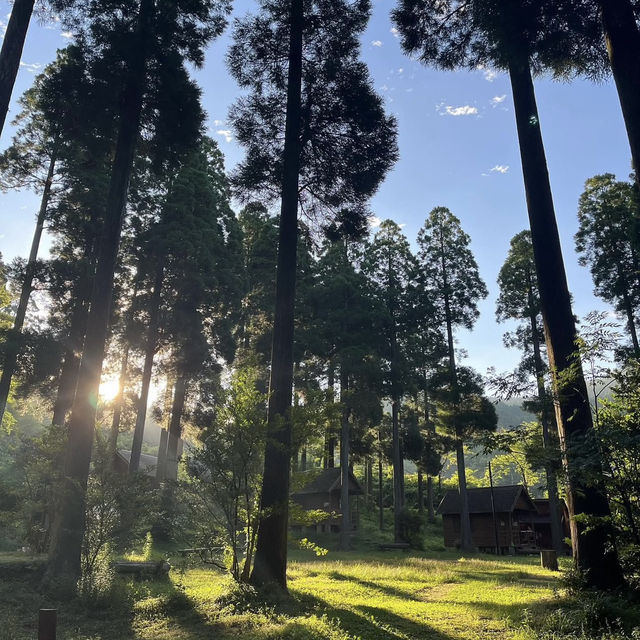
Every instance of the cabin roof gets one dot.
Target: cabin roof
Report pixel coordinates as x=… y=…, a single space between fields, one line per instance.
x=506 y=499
x=328 y=481
x=147 y=464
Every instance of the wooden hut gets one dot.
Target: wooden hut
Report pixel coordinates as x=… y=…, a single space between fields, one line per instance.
x=542 y=523
x=514 y=510
x=322 y=491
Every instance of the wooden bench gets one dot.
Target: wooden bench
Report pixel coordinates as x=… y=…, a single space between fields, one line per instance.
x=394 y=546
x=142 y=570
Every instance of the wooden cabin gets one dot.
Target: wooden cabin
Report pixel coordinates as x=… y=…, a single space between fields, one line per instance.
x=514 y=515
x=322 y=491
x=542 y=523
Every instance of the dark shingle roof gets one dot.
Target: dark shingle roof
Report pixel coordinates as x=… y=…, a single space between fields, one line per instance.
x=328 y=481
x=505 y=499
x=147 y=464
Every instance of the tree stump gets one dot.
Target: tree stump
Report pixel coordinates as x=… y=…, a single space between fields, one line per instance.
x=549 y=559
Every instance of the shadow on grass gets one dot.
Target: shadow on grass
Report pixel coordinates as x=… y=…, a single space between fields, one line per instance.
x=368 y=623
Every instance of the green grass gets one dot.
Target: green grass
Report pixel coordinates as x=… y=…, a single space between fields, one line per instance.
x=435 y=595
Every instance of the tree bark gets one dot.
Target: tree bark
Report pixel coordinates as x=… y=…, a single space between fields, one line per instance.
x=149 y=354
x=545 y=419
x=593 y=547
x=330 y=449
x=420 y=491
x=11 y=52
x=12 y=348
x=380 y=492
x=430 y=510
x=119 y=401
x=622 y=37
x=270 y=562
x=69 y=525
x=345 y=507
x=68 y=379
x=175 y=427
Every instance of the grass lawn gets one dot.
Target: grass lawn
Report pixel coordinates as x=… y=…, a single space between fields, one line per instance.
x=391 y=595
x=363 y=594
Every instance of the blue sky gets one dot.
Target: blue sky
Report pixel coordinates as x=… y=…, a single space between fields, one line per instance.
x=458 y=148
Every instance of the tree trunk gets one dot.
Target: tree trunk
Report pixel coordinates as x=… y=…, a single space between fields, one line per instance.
x=175 y=427
x=398 y=496
x=593 y=548
x=12 y=347
x=545 y=419
x=11 y=52
x=345 y=507
x=330 y=449
x=149 y=354
x=69 y=525
x=380 y=492
x=631 y=323
x=430 y=510
x=68 y=379
x=119 y=401
x=303 y=459
x=420 y=491
x=623 y=46
x=270 y=562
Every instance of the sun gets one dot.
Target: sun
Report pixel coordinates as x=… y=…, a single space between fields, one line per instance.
x=108 y=388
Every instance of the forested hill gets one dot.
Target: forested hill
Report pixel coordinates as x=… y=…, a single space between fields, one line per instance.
x=511 y=414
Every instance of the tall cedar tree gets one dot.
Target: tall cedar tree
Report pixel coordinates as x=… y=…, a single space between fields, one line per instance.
x=389 y=266
x=30 y=162
x=316 y=134
x=201 y=278
x=607 y=242
x=517 y=36
x=347 y=323
x=166 y=34
x=448 y=273
x=519 y=299
x=11 y=52
x=426 y=348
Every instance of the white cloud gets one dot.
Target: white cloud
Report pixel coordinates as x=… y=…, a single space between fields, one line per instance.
x=400 y=70
x=465 y=110
x=33 y=67
x=226 y=134
x=376 y=43
x=218 y=123
x=500 y=168
x=374 y=221
x=496 y=100
x=66 y=34
x=395 y=32
x=489 y=74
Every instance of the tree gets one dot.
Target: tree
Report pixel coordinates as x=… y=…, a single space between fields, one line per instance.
x=622 y=36
x=519 y=299
x=605 y=242
x=448 y=273
x=517 y=37
x=389 y=266
x=11 y=52
x=167 y=35
x=30 y=162
x=300 y=66
x=345 y=323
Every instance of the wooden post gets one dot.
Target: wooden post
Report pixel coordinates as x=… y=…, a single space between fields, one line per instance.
x=549 y=559
x=47 y=622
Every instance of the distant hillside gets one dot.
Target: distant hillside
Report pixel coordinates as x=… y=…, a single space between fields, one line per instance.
x=510 y=413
